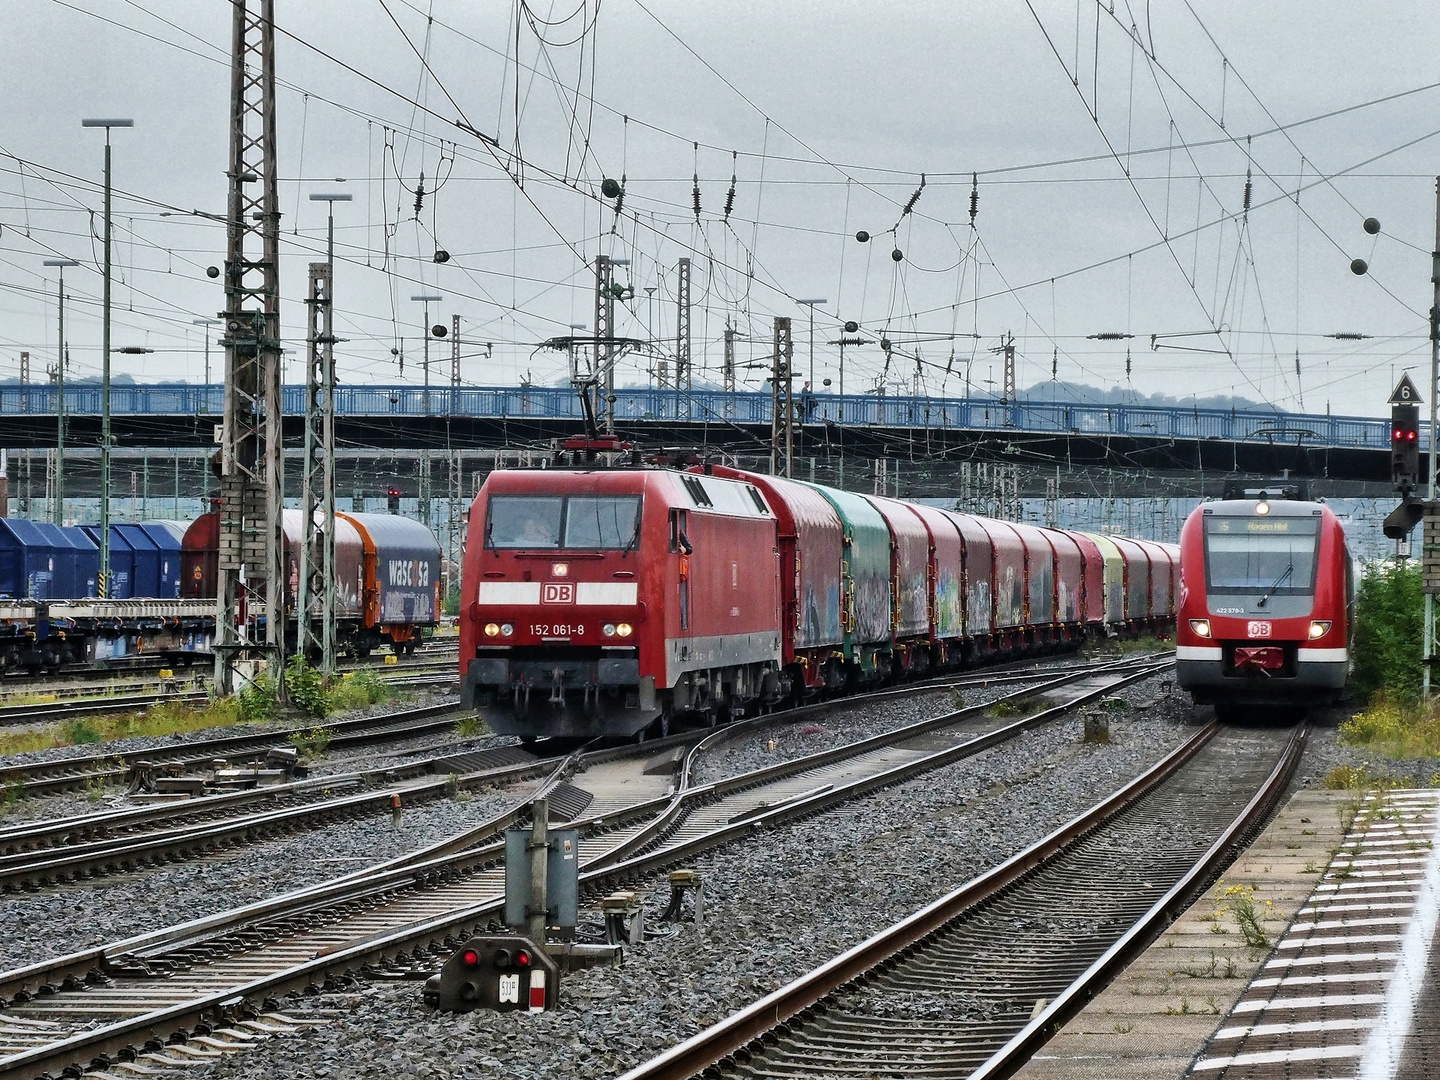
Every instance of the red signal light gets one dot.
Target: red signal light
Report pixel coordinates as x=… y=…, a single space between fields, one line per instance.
x=522 y=958
x=1397 y=435
x=1411 y=436
x=471 y=958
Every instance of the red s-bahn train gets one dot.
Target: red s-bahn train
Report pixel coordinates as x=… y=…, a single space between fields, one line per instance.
x=602 y=601
x=1267 y=594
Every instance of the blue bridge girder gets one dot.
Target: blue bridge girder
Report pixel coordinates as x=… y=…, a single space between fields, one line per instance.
x=746 y=408
x=184 y=414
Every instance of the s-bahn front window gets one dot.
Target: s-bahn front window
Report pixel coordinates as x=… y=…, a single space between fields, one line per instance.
x=554 y=522
x=1268 y=555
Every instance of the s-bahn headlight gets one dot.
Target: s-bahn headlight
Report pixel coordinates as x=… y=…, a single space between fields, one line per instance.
x=1319 y=628
x=1262 y=507
x=1200 y=627
x=492 y=629
x=623 y=629
x=507 y=629
x=608 y=629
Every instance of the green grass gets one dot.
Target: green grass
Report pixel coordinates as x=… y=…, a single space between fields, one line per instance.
x=1394 y=726
x=467 y=727
x=163 y=719
x=312 y=694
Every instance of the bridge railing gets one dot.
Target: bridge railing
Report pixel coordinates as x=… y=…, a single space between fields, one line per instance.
x=744 y=408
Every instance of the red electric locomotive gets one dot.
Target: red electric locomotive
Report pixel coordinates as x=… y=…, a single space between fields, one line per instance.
x=1265 y=602
x=607 y=598
x=599 y=600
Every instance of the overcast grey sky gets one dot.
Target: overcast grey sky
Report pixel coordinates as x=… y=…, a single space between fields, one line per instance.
x=832 y=112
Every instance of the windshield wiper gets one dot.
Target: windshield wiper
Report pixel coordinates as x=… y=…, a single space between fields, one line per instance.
x=1278 y=582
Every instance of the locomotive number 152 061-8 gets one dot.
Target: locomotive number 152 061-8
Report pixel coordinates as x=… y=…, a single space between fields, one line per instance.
x=553 y=630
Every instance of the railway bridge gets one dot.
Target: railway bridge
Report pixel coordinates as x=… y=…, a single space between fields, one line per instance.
x=407 y=417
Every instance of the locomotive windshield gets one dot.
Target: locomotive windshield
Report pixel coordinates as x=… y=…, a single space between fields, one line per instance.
x=1273 y=555
x=576 y=522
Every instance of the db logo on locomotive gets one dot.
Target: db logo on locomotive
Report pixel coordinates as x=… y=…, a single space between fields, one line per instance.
x=1257 y=629
x=557 y=592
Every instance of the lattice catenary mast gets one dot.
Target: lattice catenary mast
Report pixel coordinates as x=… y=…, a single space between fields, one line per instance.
x=250 y=578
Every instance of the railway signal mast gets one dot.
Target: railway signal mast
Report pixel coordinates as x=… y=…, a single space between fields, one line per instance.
x=250 y=578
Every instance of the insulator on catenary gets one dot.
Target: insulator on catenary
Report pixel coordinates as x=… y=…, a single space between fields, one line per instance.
x=915 y=197
x=620 y=197
x=730 y=195
x=695 y=196
x=1055 y=364
x=1248 y=186
x=974 y=196
x=1297 y=363
x=420 y=195
x=1127 y=363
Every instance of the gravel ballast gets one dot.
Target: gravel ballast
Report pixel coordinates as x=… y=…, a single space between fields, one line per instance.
x=775 y=908
x=70 y=918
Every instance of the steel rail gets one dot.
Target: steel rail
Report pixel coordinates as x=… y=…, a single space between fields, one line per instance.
x=406 y=871
x=690 y=795
x=53 y=774
x=633 y=865
x=136 y=675
x=56 y=864
x=731 y=1035
x=722 y=1039
x=61 y=710
x=1137 y=939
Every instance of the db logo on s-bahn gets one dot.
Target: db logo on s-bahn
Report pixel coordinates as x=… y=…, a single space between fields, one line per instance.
x=1257 y=629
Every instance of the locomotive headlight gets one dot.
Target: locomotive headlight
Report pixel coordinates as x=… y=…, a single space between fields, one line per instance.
x=560 y=569
x=1200 y=627
x=492 y=629
x=623 y=629
x=608 y=629
x=507 y=629
x=1262 y=507
x=1319 y=628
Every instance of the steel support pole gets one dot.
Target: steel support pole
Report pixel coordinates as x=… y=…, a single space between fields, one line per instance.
x=603 y=376
x=782 y=419
x=682 y=327
x=103 y=582
x=317 y=499
x=537 y=903
x=1428 y=644
x=59 y=516
x=424 y=493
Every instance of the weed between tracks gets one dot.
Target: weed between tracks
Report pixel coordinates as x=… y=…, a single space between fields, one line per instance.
x=163 y=719
x=254 y=705
x=467 y=727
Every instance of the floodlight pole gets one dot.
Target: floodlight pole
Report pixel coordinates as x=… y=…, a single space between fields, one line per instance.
x=103 y=581
x=811 y=305
x=58 y=510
